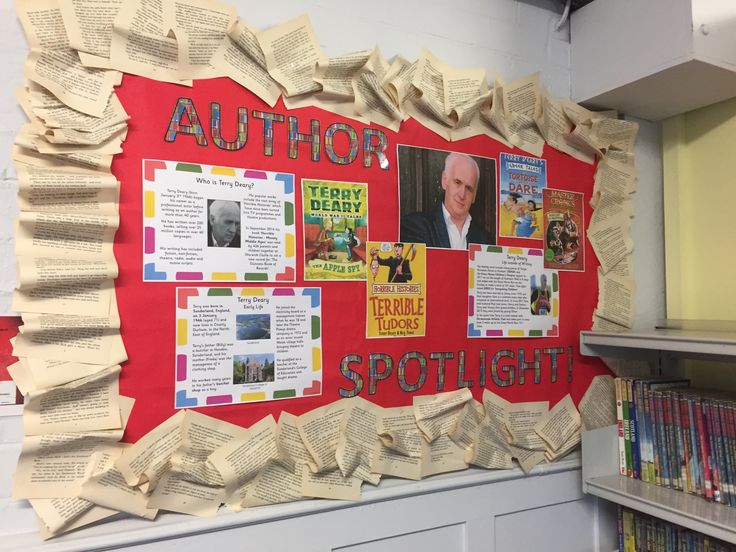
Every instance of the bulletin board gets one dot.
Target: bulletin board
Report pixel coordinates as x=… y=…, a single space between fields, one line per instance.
x=387 y=371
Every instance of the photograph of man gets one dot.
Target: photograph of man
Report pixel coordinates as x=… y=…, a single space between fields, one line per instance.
x=223 y=223
x=447 y=222
x=399 y=268
x=541 y=300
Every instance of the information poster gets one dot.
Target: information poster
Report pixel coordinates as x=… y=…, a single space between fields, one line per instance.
x=335 y=230
x=240 y=345
x=195 y=226
x=510 y=294
x=564 y=230
x=397 y=288
x=521 y=181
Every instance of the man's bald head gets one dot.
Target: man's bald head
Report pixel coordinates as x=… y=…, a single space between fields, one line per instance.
x=460 y=183
x=454 y=158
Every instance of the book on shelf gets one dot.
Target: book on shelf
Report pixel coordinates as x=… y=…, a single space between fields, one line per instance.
x=676 y=436
x=638 y=532
x=620 y=426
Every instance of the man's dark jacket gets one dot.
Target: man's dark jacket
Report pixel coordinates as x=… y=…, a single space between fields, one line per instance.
x=430 y=228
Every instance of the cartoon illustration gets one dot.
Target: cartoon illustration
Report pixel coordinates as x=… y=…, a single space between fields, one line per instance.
x=399 y=265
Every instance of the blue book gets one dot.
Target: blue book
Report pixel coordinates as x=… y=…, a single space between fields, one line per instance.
x=635 y=452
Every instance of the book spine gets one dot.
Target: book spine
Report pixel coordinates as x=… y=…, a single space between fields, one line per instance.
x=704 y=449
x=641 y=430
x=659 y=457
x=651 y=536
x=634 y=431
x=655 y=469
x=669 y=441
x=727 y=469
x=710 y=428
x=664 y=466
x=629 y=543
x=689 y=485
x=620 y=427
x=721 y=456
x=679 y=441
x=731 y=445
x=672 y=453
x=638 y=530
x=620 y=526
x=647 y=467
x=697 y=473
x=627 y=425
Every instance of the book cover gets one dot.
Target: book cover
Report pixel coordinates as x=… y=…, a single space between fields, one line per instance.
x=522 y=180
x=397 y=275
x=564 y=230
x=335 y=229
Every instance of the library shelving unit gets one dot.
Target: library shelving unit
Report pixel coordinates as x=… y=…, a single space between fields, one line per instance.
x=601 y=478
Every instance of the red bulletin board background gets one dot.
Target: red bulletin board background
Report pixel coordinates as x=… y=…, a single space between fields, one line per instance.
x=147 y=309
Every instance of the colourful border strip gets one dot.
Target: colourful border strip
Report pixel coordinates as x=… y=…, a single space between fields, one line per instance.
x=196 y=276
x=149 y=240
x=181 y=367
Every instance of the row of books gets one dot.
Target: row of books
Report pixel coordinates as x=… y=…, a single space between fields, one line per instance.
x=678 y=437
x=639 y=532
